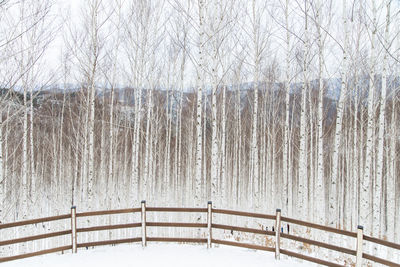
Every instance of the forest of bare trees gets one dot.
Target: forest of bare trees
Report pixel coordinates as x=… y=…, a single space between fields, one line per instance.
x=254 y=105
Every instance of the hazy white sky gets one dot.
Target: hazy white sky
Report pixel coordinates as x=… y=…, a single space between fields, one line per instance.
x=71 y=10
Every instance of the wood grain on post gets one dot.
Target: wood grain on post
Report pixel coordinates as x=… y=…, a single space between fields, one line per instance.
x=73 y=229
x=209 y=223
x=143 y=223
x=277 y=233
x=359 y=246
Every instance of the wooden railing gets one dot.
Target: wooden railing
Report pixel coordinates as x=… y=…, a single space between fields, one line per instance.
x=277 y=235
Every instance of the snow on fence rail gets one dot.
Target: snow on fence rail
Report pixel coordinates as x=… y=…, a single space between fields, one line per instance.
x=210 y=225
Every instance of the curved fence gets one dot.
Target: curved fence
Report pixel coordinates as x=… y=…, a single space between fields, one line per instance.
x=275 y=233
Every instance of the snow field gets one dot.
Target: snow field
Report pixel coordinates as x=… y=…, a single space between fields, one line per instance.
x=160 y=255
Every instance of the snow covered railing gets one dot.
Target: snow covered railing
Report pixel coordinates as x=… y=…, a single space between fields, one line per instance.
x=75 y=229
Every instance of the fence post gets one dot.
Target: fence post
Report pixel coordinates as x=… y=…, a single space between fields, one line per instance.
x=143 y=223
x=209 y=222
x=73 y=229
x=359 y=245
x=277 y=233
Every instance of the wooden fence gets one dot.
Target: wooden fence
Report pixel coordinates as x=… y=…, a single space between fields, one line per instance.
x=278 y=234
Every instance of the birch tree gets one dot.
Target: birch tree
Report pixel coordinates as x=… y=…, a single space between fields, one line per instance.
x=256 y=72
x=34 y=35
x=94 y=26
x=259 y=35
x=117 y=23
x=3 y=43
x=2 y=173
x=391 y=179
x=302 y=205
x=215 y=66
x=85 y=42
x=200 y=84
x=365 y=193
x=219 y=26
x=287 y=179
x=184 y=47
x=320 y=183
x=333 y=189
x=377 y=195
x=392 y=191
x=142 y=23
x=25 y=189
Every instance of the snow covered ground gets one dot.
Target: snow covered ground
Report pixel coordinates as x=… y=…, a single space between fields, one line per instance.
x=159 y=255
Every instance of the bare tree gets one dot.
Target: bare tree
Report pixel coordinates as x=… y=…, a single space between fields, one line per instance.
x=333 y=191
x=377 y=195
x=199 y=109
x=303 y=187
x=365 y=193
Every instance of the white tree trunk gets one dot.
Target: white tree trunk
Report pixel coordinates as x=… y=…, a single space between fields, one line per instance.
x=111 y=156
x=320 y=179
x=303 y=173
x=32 y=151
x=179 y=172
x=238 y=145
x=224 y=182
x=287 y=179
x=214 y=140
x=254 y=163
x=167 y=149
x=200 y=84
x=2 y=176
x=394 y=165
x=85 y=153
x=103 y=180
x=357 y=170
x=94 y=27
x=311 y=157
x=147 y=144
x=25 y=188
x=215 y=160
x=136 y=144
x=377 y=195
x=356 y=163
x=5 y=161
x=61 y=148
x=391 y=180
x=365 y=192
x=205 y=182
x=333 y=189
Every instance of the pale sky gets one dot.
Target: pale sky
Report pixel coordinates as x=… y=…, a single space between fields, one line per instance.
x=332 y=52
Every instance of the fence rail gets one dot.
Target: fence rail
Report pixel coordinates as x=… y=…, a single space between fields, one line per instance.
x=74 y=230
x=34 y=221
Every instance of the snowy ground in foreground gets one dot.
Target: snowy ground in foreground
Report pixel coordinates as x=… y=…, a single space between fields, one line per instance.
x=159 y=255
